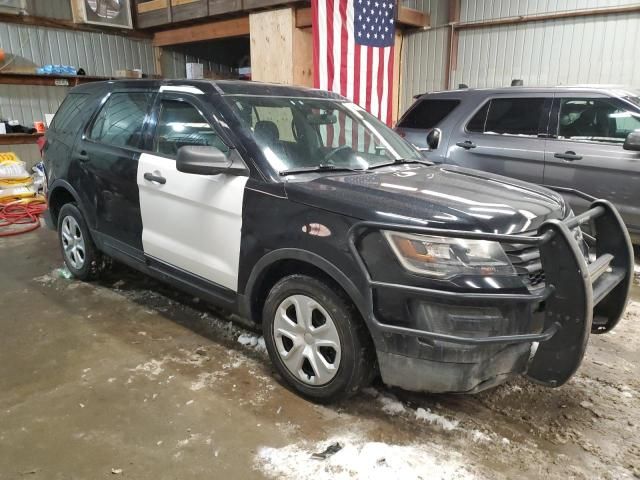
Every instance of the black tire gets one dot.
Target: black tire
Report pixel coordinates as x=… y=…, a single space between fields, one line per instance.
x=357 y=366
x=94 y=261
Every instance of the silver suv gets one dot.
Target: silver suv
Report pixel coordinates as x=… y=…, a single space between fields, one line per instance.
x=582 y=138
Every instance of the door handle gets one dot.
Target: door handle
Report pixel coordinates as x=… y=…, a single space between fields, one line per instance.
x=467 y=144
x=82 y=156
x=150 y=177
x=569 y=155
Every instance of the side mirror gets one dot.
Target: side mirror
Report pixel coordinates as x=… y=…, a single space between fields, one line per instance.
x=632 y=142
x=204 y=160
x=433 y=138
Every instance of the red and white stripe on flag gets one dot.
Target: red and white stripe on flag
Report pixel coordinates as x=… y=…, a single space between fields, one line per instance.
x=344 y=58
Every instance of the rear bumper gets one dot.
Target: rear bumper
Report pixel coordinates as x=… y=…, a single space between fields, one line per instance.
x=466 y=342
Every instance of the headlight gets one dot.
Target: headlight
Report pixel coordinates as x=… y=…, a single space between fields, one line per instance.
x=444 y=257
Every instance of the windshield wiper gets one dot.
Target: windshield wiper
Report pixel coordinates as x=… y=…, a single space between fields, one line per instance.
x=319 y=168
x=401 y=161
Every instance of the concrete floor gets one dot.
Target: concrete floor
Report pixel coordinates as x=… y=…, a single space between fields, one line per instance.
x=127 y=377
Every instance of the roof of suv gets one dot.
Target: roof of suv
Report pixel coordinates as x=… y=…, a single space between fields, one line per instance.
x=613 y=90
x=223 y=87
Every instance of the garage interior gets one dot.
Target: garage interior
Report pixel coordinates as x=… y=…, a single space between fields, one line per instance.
x=128 y=377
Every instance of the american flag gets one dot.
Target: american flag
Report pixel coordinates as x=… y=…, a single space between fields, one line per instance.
x=353 y=51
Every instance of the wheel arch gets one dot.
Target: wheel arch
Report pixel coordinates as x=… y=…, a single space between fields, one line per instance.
x=280 y=263
x=60 y=193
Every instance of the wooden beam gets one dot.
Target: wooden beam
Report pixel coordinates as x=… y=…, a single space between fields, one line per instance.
x=303 y=17
x=547 y=16
x=412 y=18
x=405 y=17
x=68 y=25
x=152 y=6
x=234 y=27
x=452 y=47
x=20 y=138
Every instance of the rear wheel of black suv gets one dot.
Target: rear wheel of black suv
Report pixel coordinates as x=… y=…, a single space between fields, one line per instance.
x=80 y=254
x=316 y=340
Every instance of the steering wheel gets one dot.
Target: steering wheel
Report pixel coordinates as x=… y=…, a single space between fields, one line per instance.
x=335 y=150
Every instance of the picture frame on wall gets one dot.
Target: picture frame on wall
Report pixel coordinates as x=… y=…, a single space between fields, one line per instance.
x=105 y=13
x=15 y=7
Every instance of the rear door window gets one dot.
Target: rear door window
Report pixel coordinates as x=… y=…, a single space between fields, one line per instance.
x=428 y=114
x=511 y=116
x=595 y=120
x=121 y=121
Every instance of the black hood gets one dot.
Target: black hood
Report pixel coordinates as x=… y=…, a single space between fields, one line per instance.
x=435 y=196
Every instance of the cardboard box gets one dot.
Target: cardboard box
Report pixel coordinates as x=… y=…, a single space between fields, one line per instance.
x=136 y=73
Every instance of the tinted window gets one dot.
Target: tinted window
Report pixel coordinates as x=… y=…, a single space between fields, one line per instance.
x=514 y=116
x=181 y=124
x=121 y=120
x=71 y=114
x=428 y=113
x=476 y=124
x=594 y=119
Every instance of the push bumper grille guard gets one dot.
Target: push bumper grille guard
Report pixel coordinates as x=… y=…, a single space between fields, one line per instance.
x=579 y=299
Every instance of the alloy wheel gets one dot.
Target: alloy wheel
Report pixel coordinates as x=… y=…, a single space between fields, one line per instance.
x=73 y=242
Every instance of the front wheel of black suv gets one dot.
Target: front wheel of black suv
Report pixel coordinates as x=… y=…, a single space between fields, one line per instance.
x=80 y=254
x=316 y=339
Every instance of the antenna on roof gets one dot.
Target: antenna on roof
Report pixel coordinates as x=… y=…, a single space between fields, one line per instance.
x=462 y=86
x=517 y=82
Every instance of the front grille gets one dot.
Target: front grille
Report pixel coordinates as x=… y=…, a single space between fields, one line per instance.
x=526 y=261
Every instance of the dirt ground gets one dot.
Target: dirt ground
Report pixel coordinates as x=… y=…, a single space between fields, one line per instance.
x=128 y=378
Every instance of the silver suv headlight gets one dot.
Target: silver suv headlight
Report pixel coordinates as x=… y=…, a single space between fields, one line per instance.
x=444 y=257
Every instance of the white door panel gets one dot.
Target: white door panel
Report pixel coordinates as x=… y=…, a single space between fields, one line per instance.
x=192 y=222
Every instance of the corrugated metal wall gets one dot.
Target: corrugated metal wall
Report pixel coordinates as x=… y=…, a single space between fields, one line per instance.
x=478 y=10
x=97 y=53
x=424 y=53
x=599 y=49
x=596 y=49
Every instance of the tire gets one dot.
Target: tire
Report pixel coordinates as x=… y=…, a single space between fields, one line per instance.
x=80 y=254
x=331 y=319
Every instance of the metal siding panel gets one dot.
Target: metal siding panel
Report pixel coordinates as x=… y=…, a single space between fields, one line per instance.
x=478 y=10
x=97 y=53
x=554 y=52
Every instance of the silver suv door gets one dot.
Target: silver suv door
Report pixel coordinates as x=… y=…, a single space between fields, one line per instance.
x=505 y=135
x=585 y=152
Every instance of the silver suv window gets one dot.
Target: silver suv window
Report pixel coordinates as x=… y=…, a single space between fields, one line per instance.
x=595 y=120
x=428 y=113
x=511 y=116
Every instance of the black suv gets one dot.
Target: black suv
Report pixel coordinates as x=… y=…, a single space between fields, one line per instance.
x=302 y=212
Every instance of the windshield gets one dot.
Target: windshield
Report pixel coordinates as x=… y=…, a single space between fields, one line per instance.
x=298 y=133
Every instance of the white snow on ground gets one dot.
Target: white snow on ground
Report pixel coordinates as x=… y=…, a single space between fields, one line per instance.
x=361 y=459
x=254 y=341
x=428 y=416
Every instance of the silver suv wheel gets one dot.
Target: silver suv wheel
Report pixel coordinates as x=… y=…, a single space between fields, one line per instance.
x=73 y=242
x=307 y=340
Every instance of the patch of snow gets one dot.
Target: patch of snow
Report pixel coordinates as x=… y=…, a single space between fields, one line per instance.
x=428 y=416
x=152 y=368
x=360 y=459
x=206 y=379
x=253 y=341
x=391 y=405
x=479 y=437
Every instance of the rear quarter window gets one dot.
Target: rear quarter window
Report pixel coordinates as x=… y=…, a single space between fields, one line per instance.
x=72 y=114
x=428 y=113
